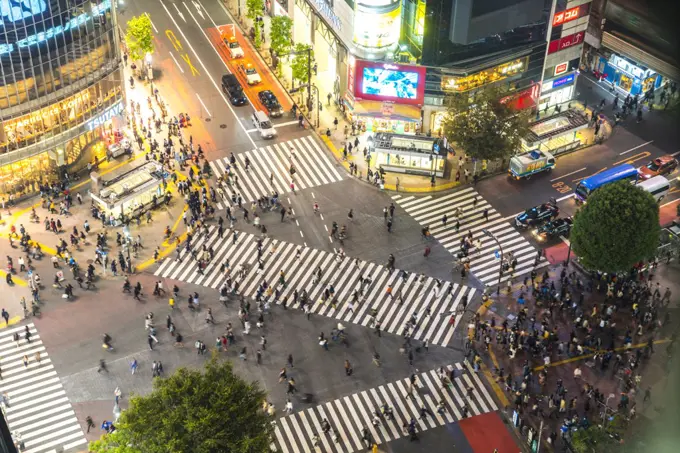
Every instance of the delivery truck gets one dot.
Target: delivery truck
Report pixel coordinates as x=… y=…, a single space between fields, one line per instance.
x=525 y=165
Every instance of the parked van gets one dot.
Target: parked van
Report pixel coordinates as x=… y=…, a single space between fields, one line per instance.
x=263 y=125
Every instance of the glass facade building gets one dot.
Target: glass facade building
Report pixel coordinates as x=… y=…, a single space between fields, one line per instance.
x=61 y=82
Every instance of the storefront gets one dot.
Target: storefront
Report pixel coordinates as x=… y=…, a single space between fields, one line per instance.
x=627 y=75
x=504 y=72
x=558 y=90
x=557 y=133
x=385 y=97
x=40 y=146
x=416 y=155
x=131 y=194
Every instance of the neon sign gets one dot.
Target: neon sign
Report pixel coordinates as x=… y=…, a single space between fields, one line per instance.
x=104 y=117
x=570 y=14
x=16 y=10
x=43 y=36
x=566 y=42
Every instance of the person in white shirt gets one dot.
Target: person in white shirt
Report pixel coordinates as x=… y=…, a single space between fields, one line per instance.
x=289 y=406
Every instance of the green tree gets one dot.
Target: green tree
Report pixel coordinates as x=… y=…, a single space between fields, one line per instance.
x=617 y=228
x=302 y=60
x=254 y=8
x=139 y=37
x=485 y=127
x=599 y=438
x=280 y=38
x=193 y=411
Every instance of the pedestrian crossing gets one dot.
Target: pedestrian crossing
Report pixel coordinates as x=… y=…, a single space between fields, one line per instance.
x=270 y=169
x=429 y=211
x=33 y=400
x=349 y=415
x=425 y=310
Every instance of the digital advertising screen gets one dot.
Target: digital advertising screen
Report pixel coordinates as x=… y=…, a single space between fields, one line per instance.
x=389 y=82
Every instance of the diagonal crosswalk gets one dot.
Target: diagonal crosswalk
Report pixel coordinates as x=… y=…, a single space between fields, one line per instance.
x=417 y=306
x=270 y=169
x=35 y=404
x=349 y=415
x=429 y=211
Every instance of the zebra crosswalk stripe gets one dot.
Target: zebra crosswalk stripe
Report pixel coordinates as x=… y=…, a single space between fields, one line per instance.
x=349 y=414
x=428 y=211
x=430 y=307
x=269 y=169
x=34 y=403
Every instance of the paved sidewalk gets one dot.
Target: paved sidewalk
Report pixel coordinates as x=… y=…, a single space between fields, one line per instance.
x=609 y=379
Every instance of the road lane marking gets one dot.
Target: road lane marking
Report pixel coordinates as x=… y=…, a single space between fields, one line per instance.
x=206 y=108
x=152 y=24
x=288 y=123
x=634 y=158
x=585 y=177
x=187 y=60
x=568 y=174
x=633 y=149
x=176 y=62
x=670 y=202
x=251 y=130
x=226 y=101
x=179 y=12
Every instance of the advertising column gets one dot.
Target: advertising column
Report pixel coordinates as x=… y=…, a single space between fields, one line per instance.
x=377 y=25
x=563 y=54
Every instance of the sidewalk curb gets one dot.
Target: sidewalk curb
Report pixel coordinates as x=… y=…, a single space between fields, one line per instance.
x=13 y=320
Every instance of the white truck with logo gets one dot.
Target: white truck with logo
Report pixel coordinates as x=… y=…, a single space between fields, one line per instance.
x=527 y=164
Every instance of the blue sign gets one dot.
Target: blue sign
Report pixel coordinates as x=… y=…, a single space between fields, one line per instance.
x=563 y=80
x=43 y=36
x=16 y=10
x=114 y=110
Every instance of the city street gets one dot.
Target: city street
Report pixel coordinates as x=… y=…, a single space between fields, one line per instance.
x=350 y=273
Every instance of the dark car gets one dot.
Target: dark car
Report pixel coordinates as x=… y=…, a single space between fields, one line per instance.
x=538 y=215
x=270 y=103
x=553 y=229
x=233 y=89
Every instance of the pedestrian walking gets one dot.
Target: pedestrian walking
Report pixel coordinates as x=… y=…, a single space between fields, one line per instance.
x=289 y=406
x=133 y=366
x=427 y=251
x=290 y=360
x=348 y=368
x=102 y=366
x=89 y=422
x=5 y=316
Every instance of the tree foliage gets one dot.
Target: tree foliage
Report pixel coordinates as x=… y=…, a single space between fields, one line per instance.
x=193 y=411
x=301 y=64
x=139 y=37
x=617 y=228
x=254 y=8
x=600 y=438
x=485 y=127
x=280 y=35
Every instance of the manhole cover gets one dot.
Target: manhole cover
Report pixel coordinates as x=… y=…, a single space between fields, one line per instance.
x=223 y=126
x=207 y=120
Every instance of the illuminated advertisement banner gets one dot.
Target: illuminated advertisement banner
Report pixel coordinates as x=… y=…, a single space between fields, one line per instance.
x=403 y=84
x=570 y=14
x=42 y=36
x=566 y=42
x=377 y=27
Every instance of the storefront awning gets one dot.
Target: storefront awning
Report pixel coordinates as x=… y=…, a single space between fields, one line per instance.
x=640 y=56
x=377 y=109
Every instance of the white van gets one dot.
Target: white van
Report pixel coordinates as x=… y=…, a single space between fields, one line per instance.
x=658 y=186
x=263 y=125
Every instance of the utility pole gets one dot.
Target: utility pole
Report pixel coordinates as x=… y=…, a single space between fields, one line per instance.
x=309 y=79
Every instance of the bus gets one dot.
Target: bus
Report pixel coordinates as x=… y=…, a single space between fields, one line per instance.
x=586 y=187
x=658 y=186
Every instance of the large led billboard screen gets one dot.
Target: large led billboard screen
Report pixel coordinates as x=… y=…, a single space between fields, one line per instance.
x=389 y=82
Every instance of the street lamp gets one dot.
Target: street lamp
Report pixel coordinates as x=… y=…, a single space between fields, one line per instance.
x=606 y=406
x=500 y=266
x=149 y=70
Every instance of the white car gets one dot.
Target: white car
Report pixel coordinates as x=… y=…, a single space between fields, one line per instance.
x=234 y=47
x=251 y=75
x=263 y=125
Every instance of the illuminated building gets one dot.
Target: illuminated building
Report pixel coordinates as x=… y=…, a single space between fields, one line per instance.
x=60 y=88
x=632 y=45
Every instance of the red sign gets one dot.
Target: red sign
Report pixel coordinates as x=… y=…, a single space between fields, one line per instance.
x=570 y=14
x=524 y=99
x=350 y=78
x=566 y=42
x=561 y=68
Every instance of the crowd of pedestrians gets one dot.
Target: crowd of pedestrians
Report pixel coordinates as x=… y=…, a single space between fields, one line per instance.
x=612 y=321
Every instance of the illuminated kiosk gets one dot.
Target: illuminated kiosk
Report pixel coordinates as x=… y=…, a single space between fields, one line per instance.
x=410 y=154
x=131 y=194
x=557 y=133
